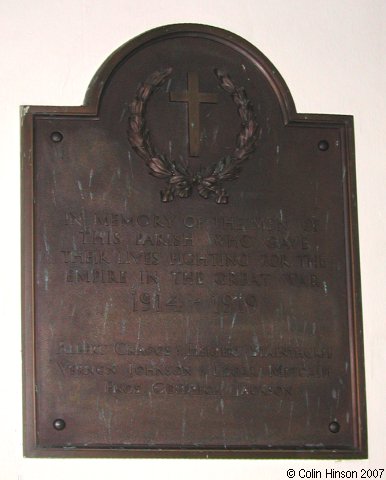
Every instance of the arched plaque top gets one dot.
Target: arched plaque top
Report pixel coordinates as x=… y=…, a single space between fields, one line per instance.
x=101 y=79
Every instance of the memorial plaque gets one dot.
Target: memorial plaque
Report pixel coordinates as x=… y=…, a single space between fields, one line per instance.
x=191 y=271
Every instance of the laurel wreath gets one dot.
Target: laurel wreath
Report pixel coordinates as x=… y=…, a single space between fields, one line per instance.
x=180 y=180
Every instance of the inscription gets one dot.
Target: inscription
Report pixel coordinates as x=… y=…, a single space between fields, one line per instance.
x=242 y=279
x=163 y=240
x=81 y=370
x=96 y=276
x=278 y=224
x=154 y=301
x=222 y=369
x=156 y=371
x=160 y=260
x=85 y=257
x=119 y=219
x=209 y=259
x=100 y=237
x=123 y=389
x=251 y=389
x=120 y=257
x=187 y=278
x=81 y=348
x=241 y=390
x=288 y=242
x=284 y=371
x=288 y=261
x=233 y=241
x=115 y=220
x=138 y=258
x=138 y=371
x=281 y=351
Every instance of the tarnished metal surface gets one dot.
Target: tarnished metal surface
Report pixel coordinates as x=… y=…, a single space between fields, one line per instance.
x=191 y=276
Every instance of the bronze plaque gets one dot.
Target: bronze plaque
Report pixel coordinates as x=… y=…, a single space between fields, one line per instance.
x=191 y=273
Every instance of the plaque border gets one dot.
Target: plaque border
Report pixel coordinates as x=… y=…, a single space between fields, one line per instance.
x=90 y=108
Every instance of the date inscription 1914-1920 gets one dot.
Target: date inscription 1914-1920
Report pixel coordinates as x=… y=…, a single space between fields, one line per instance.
x=160 y=323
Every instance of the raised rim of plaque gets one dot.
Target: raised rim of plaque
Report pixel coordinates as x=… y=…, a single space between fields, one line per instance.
x=90 y=108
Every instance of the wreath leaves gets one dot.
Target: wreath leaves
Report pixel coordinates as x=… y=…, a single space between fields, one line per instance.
x=180 y=181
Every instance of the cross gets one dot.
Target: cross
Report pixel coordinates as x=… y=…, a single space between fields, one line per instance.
x=193 y=97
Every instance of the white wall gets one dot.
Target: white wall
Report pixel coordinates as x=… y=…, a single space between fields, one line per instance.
x=331 y=54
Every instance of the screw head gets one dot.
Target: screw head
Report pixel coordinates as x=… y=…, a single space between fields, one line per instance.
x=334 y=427
x=56 y=137
x=323 y=145
x=59 y=424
